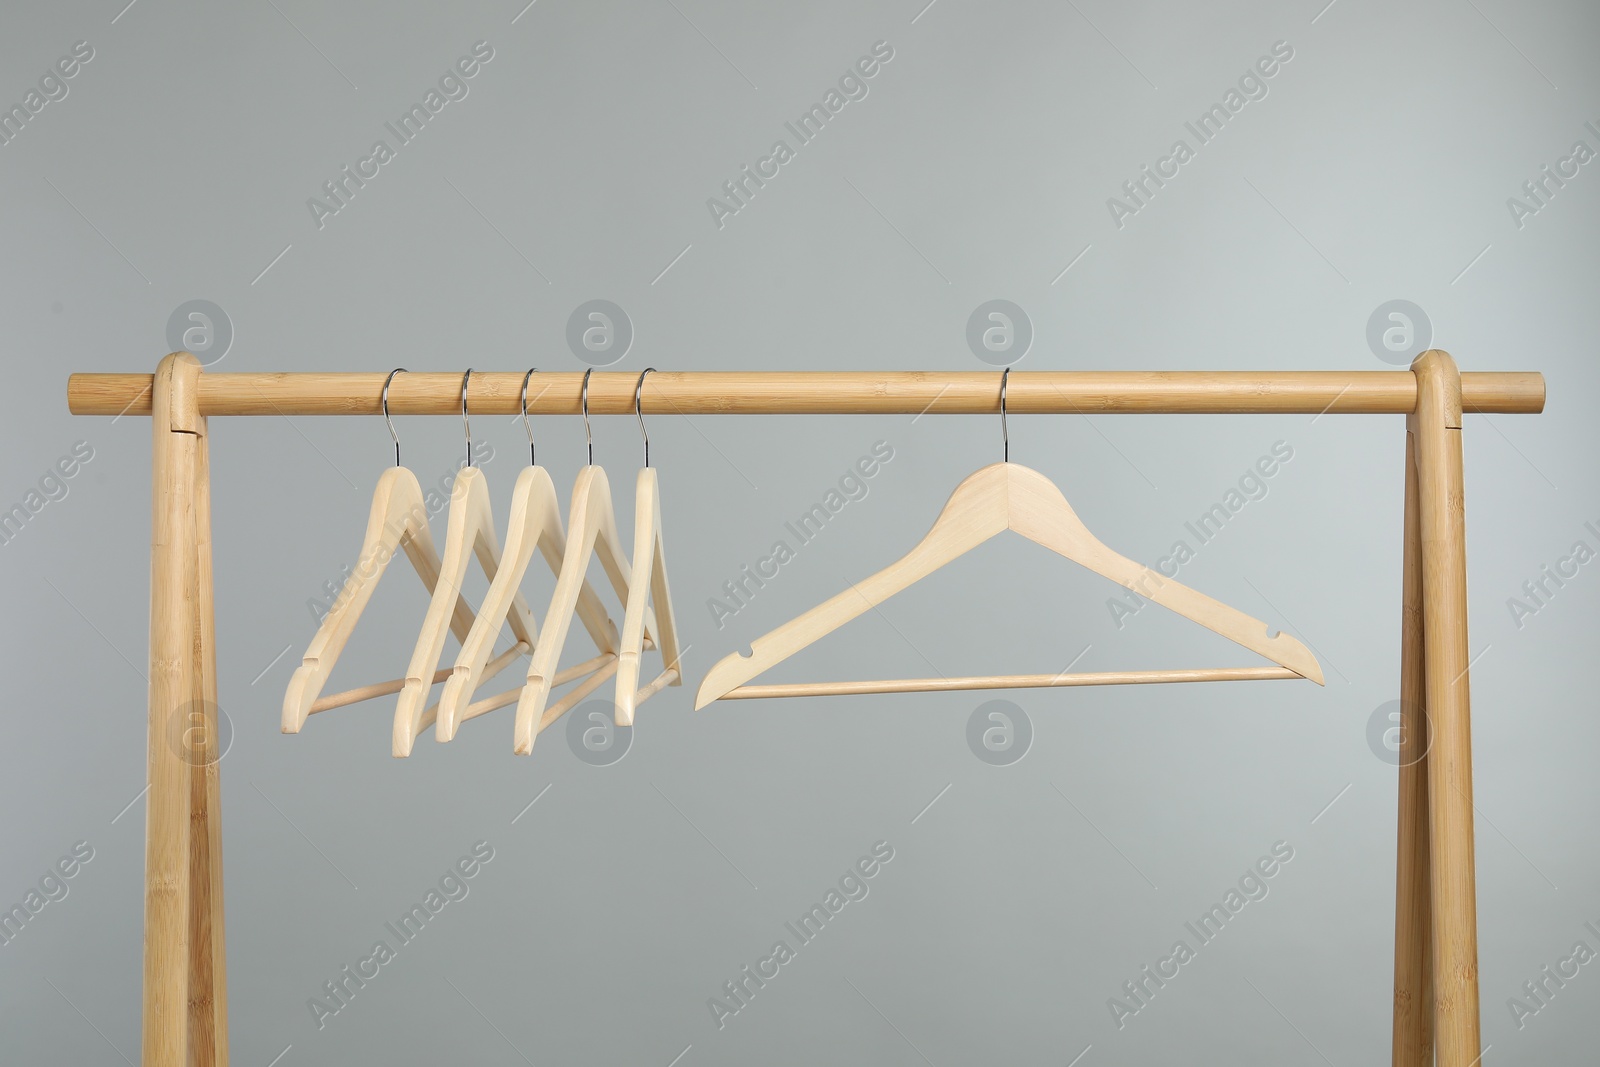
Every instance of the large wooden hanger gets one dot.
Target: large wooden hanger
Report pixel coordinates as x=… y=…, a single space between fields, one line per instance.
x=470 y=533
x=534 y=525
x=398 y=521
x=591 y=533
x=648 y=581
x=999 y=497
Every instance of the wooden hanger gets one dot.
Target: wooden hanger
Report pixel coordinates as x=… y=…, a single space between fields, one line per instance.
x=398 y=521
x=591 y=533
x=648 y=580
x=999 y=497
x=534 y=525
x=469 y=533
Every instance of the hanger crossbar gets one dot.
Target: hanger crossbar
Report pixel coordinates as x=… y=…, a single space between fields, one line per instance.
x=661 y=681
x=1010 y=681
x=588 y=667
x=394 y=685
x=819 y=393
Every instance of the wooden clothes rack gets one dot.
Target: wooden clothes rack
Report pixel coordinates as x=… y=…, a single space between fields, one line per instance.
x=1436 y=955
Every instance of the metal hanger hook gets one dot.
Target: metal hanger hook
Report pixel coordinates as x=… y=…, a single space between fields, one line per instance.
x=638 y=411
x=588 y=436
x=1005 y=434
x=525 y=424
x=466 y=422
x=385 y=401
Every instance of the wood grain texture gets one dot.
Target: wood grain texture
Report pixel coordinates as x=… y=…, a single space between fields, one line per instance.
x=1412 y=1044
x=177 y=688
x=817 y=392
x=208 y=1021
x=1442 y=523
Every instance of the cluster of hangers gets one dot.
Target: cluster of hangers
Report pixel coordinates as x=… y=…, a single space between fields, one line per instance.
x=999 y=497
x=398 y=522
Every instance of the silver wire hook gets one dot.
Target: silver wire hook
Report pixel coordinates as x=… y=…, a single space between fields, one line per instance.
x=638 y=411
x=587 y=435
x=1005 y=434
x=525 y=424
x=386 y=418
x=465 y=378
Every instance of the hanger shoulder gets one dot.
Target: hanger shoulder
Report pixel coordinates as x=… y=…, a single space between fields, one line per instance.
x=486 y=547
x=470 y=520
x=975 y=512
x=1041 y=513
x=591 y=501
x=591 y=611
x=614 y=560
x=532 y=508
x=538 y=521
x=535 y=526
x=660 y=590
x=398 y=519
x=647 y=582
x=1230 y=622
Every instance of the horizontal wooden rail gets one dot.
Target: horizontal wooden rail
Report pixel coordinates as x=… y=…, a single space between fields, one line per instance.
x=817 y=392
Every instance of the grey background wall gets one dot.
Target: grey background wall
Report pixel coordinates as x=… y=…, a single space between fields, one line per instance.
x=1376 y=163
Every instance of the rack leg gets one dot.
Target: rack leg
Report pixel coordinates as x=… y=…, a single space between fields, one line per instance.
x=1413 y=963
x=183 y=891
x=208 y=986
x=1445 y=659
